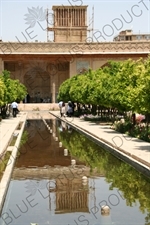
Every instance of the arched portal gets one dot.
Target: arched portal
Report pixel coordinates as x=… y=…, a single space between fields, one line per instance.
x=38 y=85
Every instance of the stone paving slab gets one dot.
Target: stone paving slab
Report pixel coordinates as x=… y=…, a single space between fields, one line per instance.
x=7 y=128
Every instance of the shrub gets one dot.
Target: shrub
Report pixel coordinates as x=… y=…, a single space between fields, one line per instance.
x=140 y=130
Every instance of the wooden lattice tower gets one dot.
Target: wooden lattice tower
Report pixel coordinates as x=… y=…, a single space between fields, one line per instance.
x=69 y=23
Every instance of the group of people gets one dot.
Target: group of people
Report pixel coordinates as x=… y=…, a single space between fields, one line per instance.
x=66 y=110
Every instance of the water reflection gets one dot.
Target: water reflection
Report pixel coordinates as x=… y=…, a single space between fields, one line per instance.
x=63 y=126
x=71 y=196
x=63 y=198
x=42 y=148
x=134 y=187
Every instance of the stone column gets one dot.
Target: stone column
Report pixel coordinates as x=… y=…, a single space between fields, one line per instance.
x=85 y=18
x=61 y=13
x=69 y=69
x=55 y=17
x=63 y=17
x=58 y=17
x=80 y=16
x=68 y=19
x=1 y=65
x=72 y=68
x=53 y=89
x=72 y=17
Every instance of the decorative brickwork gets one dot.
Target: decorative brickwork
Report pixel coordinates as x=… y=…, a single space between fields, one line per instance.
x=74 y=48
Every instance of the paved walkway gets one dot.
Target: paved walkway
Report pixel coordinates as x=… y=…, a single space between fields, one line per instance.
x=134 y=148
x=7 y=128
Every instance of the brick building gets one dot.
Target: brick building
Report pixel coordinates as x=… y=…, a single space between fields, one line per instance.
x=128 y=35
x=43 y=66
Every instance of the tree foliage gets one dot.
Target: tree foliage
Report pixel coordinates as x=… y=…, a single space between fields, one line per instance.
x=12 y=89
x=2 y=91
x=124 y=85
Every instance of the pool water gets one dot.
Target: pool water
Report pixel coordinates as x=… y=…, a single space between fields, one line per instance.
x=62 y=198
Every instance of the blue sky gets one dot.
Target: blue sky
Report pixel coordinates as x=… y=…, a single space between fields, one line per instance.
x=110 y=17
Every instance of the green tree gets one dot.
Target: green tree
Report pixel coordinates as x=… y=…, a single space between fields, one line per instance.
x=13 y=91
x=64 y=91
x=140 y=94
x=79 y=88
x=2 y=91
x=123 y=85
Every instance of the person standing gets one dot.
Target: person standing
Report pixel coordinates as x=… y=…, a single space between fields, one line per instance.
x=63 y=109
x=69 y=109
x=14 y=106
x=60 y=107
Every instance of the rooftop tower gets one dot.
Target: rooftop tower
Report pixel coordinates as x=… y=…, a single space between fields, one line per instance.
x=69 y=23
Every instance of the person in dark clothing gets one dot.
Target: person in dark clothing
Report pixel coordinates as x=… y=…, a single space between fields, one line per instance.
x=69 y=109
x=28 y=98
x=73 y=108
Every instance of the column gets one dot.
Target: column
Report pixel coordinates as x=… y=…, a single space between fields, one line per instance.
x=79 y=17
x=82 y=23
x=63 y=18
x=58 y=17
x=60 y=21
x=85 y=16
x=74 y=17
x=53 y=89
x=1 y=65
x=55 y=17
x=72 y=68
x=69 y=17
x=69 y=69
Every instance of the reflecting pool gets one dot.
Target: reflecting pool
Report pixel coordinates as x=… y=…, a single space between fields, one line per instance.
x=46 y=189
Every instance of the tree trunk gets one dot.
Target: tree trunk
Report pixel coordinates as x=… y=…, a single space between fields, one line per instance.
x=3 y=112
x=147 y=122
x=94 y=108
x=134 y=119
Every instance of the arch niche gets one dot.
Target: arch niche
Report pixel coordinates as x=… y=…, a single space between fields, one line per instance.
x=37 y=82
